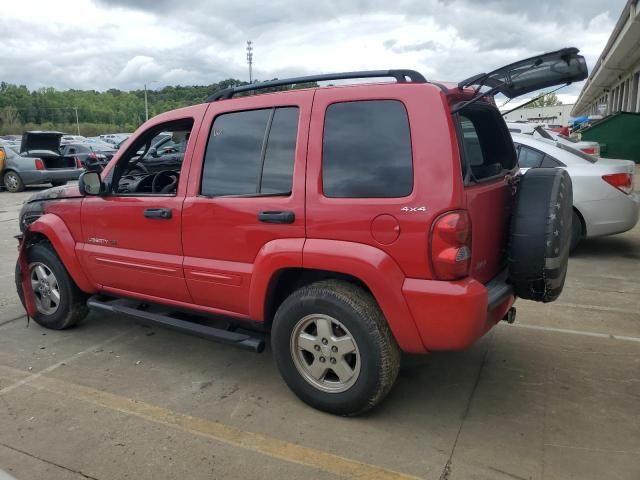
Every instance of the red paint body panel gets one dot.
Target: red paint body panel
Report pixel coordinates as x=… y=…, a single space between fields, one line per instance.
x=437 y=185
x=489 y=206
x=451 y=315
x=273 y=257
x=122 y=249
x=379 y=272
x=222 y=235
x=52 y=227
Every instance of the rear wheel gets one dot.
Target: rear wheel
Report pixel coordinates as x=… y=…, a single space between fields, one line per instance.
x=59 y=302
x=13 y=182
x=334 y=349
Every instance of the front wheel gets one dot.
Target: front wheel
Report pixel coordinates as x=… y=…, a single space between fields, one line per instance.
x=59 y=302
x=334 y=349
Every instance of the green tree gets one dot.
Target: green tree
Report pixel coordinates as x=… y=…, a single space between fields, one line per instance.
x=548 y=100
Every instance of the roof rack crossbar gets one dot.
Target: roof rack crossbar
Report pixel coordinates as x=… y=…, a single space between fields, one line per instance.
x=400 y=76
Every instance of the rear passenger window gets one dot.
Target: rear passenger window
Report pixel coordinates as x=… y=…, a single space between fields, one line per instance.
x=251 y=153
x=529 y=158
x=551 y=162
x=367 y=150
x=485 y=143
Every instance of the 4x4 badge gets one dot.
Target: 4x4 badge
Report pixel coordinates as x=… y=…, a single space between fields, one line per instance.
x=413 y=209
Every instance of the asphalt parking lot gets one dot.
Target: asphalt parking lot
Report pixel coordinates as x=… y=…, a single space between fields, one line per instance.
x=555 y=396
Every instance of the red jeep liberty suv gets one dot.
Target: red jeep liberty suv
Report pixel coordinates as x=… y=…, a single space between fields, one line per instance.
x=352 y=222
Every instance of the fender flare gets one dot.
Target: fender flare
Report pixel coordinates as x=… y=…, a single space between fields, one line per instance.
x=273 y=256
x=57 y=232
x=379 y=272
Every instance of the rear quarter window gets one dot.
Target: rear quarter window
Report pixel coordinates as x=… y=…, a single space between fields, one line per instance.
x=367 y=150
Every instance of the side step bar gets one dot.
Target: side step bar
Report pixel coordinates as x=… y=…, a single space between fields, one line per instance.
x=211 y=333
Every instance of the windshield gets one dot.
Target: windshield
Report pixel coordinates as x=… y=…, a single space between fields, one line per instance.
x=575 y=151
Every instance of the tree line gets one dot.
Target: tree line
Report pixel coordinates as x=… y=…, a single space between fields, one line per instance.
x=109 y=111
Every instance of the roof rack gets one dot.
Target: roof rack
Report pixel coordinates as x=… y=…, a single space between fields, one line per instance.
x=400 y=76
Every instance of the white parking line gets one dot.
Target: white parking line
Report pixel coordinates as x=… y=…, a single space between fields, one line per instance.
x=577 y=332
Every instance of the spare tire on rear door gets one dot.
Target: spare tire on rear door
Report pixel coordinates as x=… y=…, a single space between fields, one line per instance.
x=540 y=236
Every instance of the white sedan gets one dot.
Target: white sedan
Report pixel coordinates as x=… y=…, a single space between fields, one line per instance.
x=604 y=202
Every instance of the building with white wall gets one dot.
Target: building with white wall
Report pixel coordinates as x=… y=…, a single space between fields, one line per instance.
x=613 y=83
x=558 y=115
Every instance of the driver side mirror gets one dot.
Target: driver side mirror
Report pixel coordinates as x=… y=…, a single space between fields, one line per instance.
x=90 y=183
x=153 y=151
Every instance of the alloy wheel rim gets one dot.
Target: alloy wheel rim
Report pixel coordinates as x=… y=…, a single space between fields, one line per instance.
x=11 y=181
x=325 y=353
x=45 y=288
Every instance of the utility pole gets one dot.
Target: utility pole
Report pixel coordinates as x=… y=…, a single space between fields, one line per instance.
x=146 y=104
x=77 y=121
x=250 y=60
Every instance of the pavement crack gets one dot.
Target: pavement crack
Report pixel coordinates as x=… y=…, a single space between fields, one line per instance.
x=446 y=471
x=50 y=462
x=12 y=320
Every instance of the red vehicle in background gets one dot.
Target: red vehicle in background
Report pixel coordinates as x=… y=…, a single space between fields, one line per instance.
x=351 y=223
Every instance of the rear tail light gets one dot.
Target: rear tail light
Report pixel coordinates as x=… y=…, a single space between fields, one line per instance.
x=592 y=151
x=451 y=245
x=39 y=164
x=622 y=181
x=78 y=162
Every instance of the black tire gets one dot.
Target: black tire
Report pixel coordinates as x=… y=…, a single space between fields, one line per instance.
x=577 y=231
x=540 y=236
x=357 y=310
x=72 y=307
x=12 y=181
x=58 y=183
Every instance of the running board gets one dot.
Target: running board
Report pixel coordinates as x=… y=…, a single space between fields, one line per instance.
x=191 y=328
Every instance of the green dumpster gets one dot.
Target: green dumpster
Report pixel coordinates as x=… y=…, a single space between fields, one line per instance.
x=619 y=134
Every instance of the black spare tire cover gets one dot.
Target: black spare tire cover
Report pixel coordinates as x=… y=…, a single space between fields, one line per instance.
x=540 y=234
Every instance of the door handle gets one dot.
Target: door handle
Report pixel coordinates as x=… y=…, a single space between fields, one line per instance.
x=161 y=213
x=277 y=217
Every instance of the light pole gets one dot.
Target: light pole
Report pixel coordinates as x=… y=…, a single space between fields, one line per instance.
x=77 y=121
x=146 y=103
x=250 y=60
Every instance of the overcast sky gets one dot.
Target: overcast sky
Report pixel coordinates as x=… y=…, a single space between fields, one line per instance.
x=101 y=44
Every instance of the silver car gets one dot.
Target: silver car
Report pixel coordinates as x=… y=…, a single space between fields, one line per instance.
x=38 y=161
x=604 y=202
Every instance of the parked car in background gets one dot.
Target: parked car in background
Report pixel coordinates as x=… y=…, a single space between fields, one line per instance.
x=604 y=202
x=67 y=138
x=89 y=154
x=590 y=148
x=521 y=127
x=165 y=153
x=32 y=169
x=115 y=138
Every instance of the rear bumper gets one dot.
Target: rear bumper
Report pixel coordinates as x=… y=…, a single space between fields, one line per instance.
x=30 y=177
x=453 y=315
x=611 y=215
